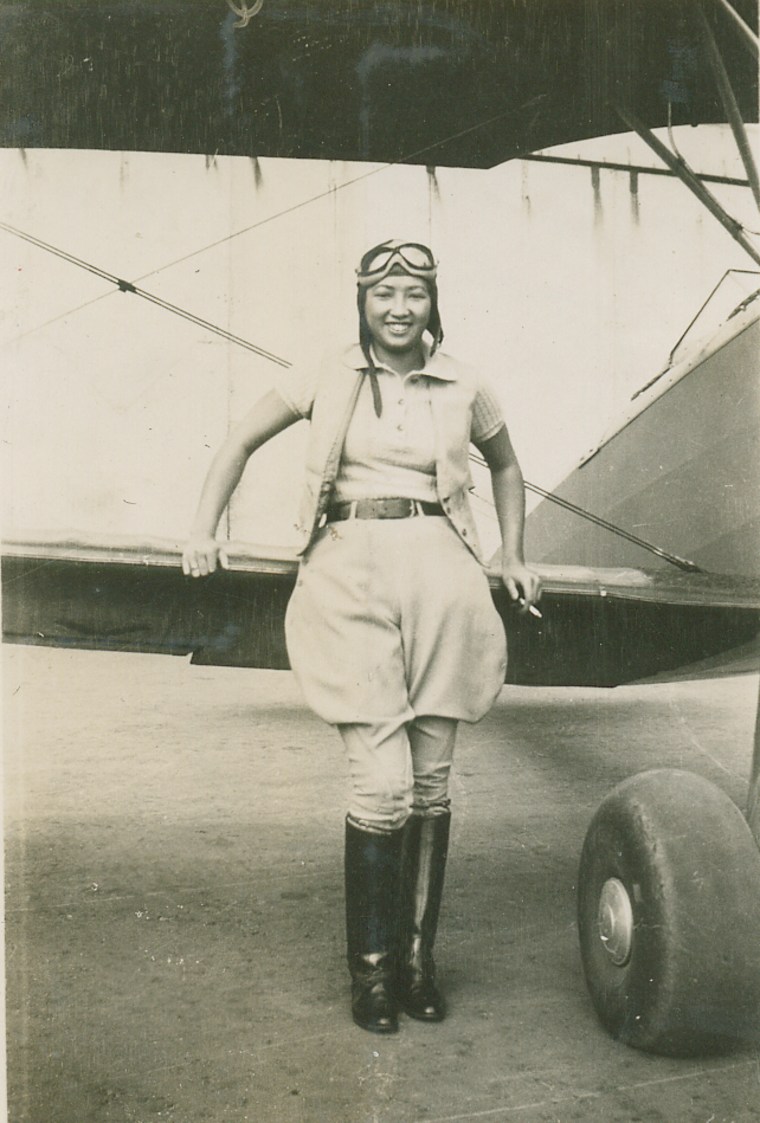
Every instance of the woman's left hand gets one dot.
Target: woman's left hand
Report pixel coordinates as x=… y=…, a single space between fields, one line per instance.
x=522 y=583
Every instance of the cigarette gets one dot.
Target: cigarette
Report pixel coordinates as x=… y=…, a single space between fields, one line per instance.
x=531 y=609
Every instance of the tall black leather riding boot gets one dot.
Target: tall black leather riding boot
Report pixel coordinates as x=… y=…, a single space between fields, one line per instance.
x=372 y=878
x=423 y=862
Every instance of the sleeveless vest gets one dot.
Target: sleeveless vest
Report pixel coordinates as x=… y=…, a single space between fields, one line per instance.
x=452 y=392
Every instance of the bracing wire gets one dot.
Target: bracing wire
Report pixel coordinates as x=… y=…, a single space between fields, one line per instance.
x=406 y=159
x=128 y=287
x=131 y=287
x=597 y=520
x=331 y=191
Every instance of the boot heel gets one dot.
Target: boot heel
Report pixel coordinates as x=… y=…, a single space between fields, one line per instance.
x=420 y=998
x=373 y=1005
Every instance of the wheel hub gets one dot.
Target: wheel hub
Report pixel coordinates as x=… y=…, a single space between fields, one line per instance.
x=615 y=921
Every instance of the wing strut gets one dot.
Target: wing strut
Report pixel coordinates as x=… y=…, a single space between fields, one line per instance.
x=631 y=169
x=731 y=106
x=687 y=176
x=748 y=35
x=753 y=805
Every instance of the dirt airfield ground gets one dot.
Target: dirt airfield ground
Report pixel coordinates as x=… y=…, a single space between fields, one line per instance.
x=174 y=927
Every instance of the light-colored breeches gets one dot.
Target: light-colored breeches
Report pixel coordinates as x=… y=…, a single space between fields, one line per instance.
x=396 y=769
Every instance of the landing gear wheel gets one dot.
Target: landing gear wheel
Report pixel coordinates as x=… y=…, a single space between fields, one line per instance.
x=669 y=916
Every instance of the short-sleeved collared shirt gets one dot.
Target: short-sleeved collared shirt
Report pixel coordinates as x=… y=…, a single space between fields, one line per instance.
x=462 y=408
x=394 y=454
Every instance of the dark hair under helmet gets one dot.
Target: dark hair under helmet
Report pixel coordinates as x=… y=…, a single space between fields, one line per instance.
x=394 y=257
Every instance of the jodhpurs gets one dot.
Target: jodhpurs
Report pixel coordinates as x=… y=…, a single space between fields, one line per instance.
x=396 y=769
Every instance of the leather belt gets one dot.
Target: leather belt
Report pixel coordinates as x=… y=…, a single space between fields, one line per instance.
x=381 y=509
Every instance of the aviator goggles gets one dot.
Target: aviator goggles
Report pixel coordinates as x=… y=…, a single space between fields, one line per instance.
x=411 y=256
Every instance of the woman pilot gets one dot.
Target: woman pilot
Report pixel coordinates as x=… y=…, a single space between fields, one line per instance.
x=391 y=630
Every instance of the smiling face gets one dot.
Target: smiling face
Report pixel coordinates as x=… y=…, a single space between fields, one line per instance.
x=397 y=311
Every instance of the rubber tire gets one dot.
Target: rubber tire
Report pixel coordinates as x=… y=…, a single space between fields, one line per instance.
x=691 y=868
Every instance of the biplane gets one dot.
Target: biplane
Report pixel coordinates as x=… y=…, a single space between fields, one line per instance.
x=669 y=881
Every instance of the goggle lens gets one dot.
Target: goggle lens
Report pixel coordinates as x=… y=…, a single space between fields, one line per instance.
x=417 y=256
x=376 y=261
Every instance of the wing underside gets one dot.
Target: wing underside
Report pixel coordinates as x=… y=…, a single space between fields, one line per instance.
x=599 y=627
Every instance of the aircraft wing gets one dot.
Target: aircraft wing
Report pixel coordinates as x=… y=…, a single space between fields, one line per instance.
x=599 y=627
x=433 y=82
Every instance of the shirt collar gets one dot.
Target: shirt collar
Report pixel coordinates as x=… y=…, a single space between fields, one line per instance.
x=435 y=366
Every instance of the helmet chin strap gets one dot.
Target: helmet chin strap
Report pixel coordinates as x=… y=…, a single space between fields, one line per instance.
x=377 y=398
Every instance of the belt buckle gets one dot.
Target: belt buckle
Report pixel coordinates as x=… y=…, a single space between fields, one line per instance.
x=414 y=508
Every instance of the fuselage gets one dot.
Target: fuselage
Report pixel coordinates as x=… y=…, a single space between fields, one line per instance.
x=681 y=470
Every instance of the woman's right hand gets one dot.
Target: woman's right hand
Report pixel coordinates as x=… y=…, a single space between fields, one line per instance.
x=200 y=557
